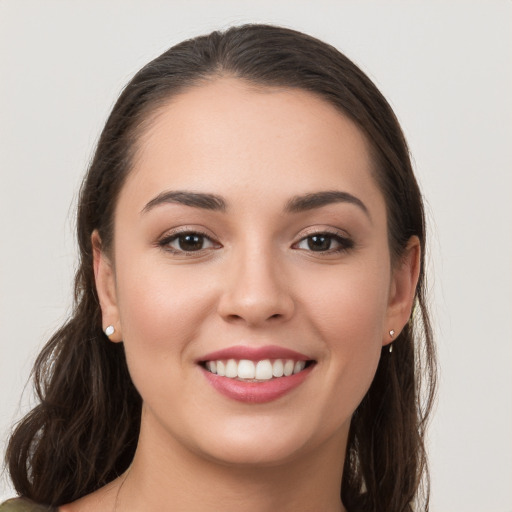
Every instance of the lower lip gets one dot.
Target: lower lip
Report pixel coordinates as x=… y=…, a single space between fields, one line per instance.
x=256 y=392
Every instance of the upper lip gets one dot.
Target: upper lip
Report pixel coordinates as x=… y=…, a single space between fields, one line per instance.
x=254 y=354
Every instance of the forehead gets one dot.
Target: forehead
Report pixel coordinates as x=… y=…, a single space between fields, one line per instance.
x=232 y=137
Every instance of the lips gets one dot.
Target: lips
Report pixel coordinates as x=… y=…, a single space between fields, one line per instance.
x=255 y=374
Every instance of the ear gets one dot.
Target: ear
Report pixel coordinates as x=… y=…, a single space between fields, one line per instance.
x=104 y=277
x=402 y=291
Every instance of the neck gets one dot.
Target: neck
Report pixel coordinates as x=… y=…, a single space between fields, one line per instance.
x=178 y=479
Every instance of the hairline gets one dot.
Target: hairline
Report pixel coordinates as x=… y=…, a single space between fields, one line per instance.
x=148 y=116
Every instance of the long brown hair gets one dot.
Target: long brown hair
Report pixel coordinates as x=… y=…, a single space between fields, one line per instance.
x=84 y=431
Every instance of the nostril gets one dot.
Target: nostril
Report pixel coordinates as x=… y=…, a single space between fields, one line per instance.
x=234 y=317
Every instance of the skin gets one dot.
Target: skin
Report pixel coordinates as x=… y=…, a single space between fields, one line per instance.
x=256 y=282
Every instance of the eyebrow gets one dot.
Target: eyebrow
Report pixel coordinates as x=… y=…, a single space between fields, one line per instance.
x=194 y=199
x=214 y=202
x=318 y=199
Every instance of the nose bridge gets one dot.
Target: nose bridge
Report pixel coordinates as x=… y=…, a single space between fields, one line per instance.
x=256 y=290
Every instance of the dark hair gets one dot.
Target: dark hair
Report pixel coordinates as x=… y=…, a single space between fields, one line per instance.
x=84 y=431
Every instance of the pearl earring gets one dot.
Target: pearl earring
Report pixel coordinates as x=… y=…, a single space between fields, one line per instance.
x=392 y=334
x=109 y=330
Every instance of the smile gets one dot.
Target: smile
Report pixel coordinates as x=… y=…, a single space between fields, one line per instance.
x=255 y=375
x=255 y=371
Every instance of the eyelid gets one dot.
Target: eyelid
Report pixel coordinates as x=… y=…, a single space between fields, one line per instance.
x=323 y=229
x=345 y=241
x=318 y=230
x=173 y=233
x=187 y=228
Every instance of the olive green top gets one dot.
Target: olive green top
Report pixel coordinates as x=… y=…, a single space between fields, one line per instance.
x=24 y=505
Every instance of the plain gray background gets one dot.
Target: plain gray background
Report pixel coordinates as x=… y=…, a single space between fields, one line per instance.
x=445 y=66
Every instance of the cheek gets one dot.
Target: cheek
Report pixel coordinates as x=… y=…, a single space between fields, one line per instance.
x=349 y=315
x=160 y=310
x=349 y=307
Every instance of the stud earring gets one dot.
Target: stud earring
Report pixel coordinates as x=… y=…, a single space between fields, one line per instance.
x=109 y=330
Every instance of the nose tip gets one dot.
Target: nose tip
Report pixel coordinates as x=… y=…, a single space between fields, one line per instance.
x=254 y=313
x=256 y=296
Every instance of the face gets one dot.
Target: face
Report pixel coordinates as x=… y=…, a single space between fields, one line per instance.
x=251 y=229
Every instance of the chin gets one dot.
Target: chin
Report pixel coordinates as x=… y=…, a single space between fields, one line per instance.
x=253 y=454
x=261 y=442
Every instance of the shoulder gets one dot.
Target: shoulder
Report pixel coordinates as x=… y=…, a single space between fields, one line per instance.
x=24 y=505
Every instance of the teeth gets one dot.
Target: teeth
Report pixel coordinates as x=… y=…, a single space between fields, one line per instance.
x=299 y=366
x=255 y=370
x=288 y=367
x=246 y=369
x=221 y=368
x=231 y=369
x=264 y=370
x=278 y=368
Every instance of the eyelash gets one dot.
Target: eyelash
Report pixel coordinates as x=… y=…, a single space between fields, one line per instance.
x=165 y=242
x=344 y=243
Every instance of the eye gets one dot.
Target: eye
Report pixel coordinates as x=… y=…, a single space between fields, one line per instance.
x=325 y=242
x=187 y=242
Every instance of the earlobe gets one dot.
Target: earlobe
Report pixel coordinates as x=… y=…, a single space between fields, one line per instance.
x=403 y=288
x=105 y=286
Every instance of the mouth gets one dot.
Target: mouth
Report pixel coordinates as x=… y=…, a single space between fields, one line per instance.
x=256 y=374
x=263 y=370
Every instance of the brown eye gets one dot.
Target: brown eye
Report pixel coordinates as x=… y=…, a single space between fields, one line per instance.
x=319 y=242
x=190 y=242
x=325 y=242
x=187 y=242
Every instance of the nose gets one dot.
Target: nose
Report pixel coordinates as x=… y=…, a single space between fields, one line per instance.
x=256 y=292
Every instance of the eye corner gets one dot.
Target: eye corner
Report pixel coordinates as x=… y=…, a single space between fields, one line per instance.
x=324 y=242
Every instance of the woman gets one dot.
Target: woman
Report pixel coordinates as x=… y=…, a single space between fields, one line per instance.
x=252 y=244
